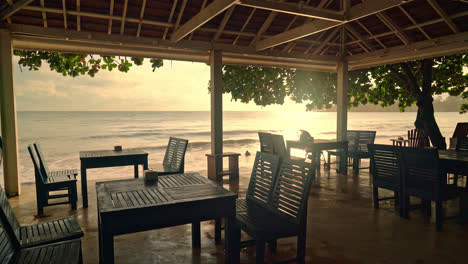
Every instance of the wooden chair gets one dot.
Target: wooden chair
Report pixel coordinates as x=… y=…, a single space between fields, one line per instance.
x=47 y=232
x=462 y=144
x=386 y=173
x=285 y=214
x=417 y=138
x=357 y=147
x=424 y=178
x=72 y=173
x=174 y=158
x=279 y=147
x=266 y=142
x=67 y=252
x=45 y=185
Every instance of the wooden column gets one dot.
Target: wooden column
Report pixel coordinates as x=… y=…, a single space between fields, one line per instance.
x=342 y=100
x=216 y=66
x=8 y=116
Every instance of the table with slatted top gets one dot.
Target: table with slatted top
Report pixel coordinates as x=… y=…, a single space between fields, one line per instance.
x=455 y=162
x=129 y=206
x=109 y=158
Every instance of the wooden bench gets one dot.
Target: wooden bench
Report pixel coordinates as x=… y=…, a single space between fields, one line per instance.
x=174 y=158
x=278 y=208
x=46 y=184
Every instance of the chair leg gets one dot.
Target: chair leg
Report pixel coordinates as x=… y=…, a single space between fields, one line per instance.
x=301 y=248
x=376 y=197
x=455 y=179
x=272 y=245
x=426 y=207
x=80 y=260
x=260 y=251
x=438 y=215
x=397 y=198
x=405 y=205
x=73 y=196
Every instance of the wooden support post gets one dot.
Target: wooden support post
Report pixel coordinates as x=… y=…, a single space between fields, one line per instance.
x=216 y=66
x=342 y=100
x=8 y=116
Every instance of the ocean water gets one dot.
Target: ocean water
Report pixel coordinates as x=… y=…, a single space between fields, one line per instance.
x=63 y=134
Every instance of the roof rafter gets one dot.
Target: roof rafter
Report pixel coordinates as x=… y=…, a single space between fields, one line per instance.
x=356 y=12
x=326 y=41
x=244 y=25
x=142 y=13
x=360 y=37
x=203 y=6
x=226 y=17
x=212 y=10
x=294 y=9
x=181 y=13
x=414 y=22
x=124 y=15
x=266 y=24
x=111 y=12
x=392 y=26
x=65 y=24
x=78 y=18
x=6 y=13
x=444 y=15
x=44 y=15
x=174 y=4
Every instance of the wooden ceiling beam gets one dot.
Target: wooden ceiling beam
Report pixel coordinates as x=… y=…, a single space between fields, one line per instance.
x=124 y=15
x=64 y=7
x=78 y=18
x=356 y=12
x=444 y=15
x=360 y=37
x=370 y=34
x=393 y=27
x=212 y=10
x=414 y=22
x=111 y=13
x=181 y=13
x=226 y=17
x=171 y=14
x=244 y=25
x=294 y=9
x=266 y=24
x=202 y=6
x=44 y=15
x=15 y=7
x=142 y=14
x=326 y=41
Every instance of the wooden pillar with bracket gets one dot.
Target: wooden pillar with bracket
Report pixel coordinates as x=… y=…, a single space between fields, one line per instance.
x=216 y=66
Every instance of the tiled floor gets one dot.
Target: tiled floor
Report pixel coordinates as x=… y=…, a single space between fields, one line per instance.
x=343 y=227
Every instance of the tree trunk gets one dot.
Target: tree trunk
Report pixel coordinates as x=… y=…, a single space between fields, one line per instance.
x=425 y=118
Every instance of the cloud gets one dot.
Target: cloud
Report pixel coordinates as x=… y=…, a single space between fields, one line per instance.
x=39 y=88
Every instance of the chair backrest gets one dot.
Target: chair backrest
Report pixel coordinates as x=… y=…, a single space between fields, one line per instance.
x=417 y=138
x=359 y=139
x=462 y=144
x=279 y=147
x=41 y=178
x=291 y=191
x=1 y=150
x=422 y=175
x=8 y=217
x=44 y=169
x=174 y=157
x=263 y=177
x=461 y=130
x=386 y=168
x=266 y=142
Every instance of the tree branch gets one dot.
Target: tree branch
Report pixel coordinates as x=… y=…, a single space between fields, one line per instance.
x=412 y=82
x=404 y=78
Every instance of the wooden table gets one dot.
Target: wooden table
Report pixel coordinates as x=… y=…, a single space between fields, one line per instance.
x=399 y=142
x=129 y=206
x=455 y=162
x=323 y=144
x=109 y=158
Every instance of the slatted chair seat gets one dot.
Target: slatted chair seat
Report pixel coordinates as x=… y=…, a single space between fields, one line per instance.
x=59 y=253
x=174 y=158
x=45 y=183
x=65 y=172
x=56 y=230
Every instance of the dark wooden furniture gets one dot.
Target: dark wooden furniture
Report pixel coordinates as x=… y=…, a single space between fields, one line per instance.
x=279 y=148
x=399 y=142
x=386 y=173
x=47 y=232
x=462 y=144
x=174 y=158
x=285 y=213
x=424 y=177
x=454 y=162
x=72 y=173
x=46 y=184
x=215 y=173
x=417 y=138
x=109 y=158
x=68 y=252
x=319 y=145
x=461 y=130
x=129 y=206
x=266 y=142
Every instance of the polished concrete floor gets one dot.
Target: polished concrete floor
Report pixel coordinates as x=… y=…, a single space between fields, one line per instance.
x=343 y=227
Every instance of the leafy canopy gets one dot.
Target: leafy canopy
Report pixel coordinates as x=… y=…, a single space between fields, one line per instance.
x=377 y=85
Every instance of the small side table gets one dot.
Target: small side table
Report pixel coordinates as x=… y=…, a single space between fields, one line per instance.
x=400 y=142
x=215 y=173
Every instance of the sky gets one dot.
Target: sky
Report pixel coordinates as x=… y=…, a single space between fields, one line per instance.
x=177 y=86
